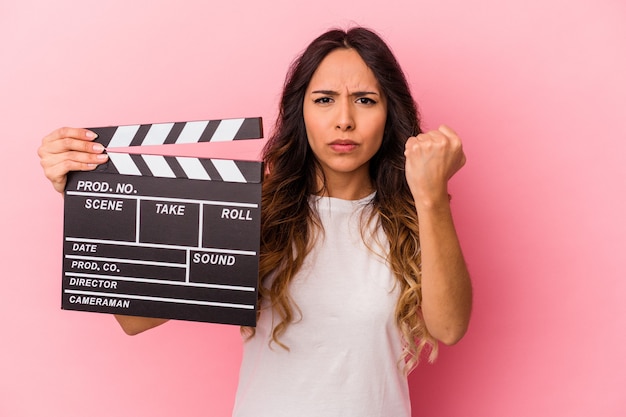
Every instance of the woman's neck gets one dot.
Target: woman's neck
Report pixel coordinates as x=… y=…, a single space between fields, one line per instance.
x=346 y=187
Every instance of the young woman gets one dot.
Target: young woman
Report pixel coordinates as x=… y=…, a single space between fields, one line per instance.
x=360 y=265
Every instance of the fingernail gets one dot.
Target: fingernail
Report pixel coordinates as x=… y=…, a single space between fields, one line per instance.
x=98 y=147
x=91 y=134
x=102 y=156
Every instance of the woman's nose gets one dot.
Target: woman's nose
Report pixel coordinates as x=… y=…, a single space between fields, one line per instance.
x=345 y=116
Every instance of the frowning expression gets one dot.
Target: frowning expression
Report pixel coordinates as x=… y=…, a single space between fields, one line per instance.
x=344 y=113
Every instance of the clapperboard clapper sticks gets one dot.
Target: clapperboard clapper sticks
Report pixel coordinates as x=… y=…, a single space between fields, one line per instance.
x=165 y=236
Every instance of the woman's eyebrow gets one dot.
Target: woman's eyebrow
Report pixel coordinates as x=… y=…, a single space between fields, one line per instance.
x=325 y=92
x=335 y=93
x=363 y=93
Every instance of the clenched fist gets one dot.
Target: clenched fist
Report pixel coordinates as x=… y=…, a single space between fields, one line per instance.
x=432 y=158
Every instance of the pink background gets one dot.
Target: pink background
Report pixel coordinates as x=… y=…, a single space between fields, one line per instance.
x=537 y=90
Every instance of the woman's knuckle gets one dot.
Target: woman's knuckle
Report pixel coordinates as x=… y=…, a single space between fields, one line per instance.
x=66 y=143
x=66 y=165
x=64 y=132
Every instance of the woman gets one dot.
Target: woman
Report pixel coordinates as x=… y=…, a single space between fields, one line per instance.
x=360 y=265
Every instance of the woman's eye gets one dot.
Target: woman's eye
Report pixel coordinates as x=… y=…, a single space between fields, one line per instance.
x=323 y=100
x=365 y=100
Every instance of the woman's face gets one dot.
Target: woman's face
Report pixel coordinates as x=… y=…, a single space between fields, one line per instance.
x=344 y=114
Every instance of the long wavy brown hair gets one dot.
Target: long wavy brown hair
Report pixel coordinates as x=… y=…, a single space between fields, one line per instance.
x=287 y=221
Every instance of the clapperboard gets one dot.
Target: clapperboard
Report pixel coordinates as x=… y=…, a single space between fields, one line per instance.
x=164 y=236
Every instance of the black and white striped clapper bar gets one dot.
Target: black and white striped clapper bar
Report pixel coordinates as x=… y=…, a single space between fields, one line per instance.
x=165 y=236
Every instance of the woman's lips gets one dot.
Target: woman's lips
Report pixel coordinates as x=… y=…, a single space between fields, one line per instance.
x=342 y=145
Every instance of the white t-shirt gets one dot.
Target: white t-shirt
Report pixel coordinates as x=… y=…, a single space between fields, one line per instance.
x=344 y=351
